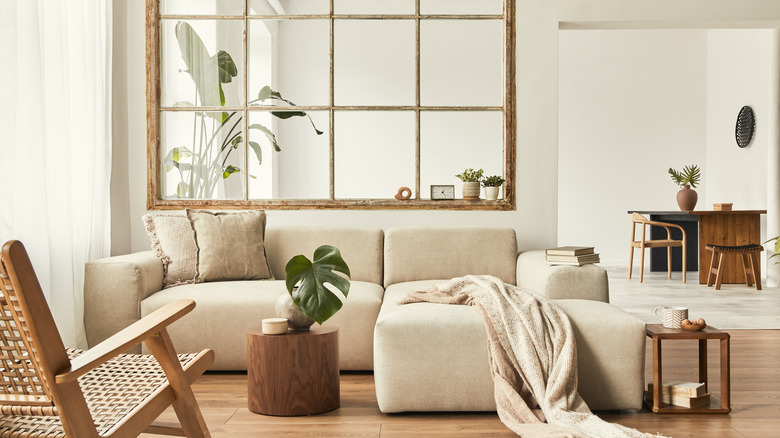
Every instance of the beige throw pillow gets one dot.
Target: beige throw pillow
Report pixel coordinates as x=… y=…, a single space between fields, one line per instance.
x=173 y=241
x=230 y=245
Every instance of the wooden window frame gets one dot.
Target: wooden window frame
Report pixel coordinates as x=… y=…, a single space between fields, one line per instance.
x=154 y=110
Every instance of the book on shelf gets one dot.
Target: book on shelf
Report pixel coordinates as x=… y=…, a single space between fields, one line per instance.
x=680 y=400
x=570 y=250
x=680 y=388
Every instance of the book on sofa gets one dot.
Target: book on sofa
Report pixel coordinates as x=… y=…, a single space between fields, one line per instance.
x=572 y=255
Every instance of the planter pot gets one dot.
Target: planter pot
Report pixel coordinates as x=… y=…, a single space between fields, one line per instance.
x=285 y=308
x=471 y=190
x=491 y=193
x=686 y=198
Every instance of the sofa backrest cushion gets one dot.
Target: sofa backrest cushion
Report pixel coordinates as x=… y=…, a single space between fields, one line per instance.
x=361 y=248
x=431 y=253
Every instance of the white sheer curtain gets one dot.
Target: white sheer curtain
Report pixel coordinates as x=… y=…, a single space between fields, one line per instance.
x=55 y=143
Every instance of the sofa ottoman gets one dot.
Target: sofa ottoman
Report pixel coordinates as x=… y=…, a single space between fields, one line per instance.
x=434 y=357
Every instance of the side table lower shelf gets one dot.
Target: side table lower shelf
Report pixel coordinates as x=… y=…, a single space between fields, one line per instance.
x=715 y=407
x=721 y=405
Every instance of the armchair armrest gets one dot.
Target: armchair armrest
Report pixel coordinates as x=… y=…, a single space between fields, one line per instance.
x=113 y=290
x=588 y=282
x=121 y=341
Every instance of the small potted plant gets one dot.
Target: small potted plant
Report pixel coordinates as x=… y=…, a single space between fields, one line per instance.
x=308 y=299
x=470 y=178
x=492 y=185
x=687 y=178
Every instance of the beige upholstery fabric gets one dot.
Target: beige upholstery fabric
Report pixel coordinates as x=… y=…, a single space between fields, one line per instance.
x=430 y=357
x=360 y=247
x=610 y=354
x=424 y=253
x=226 y=310
x=113 y=290
x=230 y=245
x=412 y=343
x=173 y=242
x=588 y=282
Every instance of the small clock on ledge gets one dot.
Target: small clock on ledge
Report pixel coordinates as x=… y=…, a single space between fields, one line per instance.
x=442 y=192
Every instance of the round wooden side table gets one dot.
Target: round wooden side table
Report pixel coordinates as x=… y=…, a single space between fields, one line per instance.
x=293 y=374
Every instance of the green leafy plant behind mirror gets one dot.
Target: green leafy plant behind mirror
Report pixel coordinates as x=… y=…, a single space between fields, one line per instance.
x=311 y=296
x=201 y=166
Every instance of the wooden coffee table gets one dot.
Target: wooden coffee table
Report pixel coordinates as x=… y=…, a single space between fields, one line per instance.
x=293 y=374
x=659 y=333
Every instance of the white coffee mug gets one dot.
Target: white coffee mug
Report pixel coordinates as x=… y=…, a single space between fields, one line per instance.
x=672 y=316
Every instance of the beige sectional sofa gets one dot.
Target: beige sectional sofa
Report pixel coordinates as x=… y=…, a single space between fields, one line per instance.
x=425 y=357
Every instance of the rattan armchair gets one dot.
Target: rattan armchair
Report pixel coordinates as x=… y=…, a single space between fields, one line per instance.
x=49 y=391
x=643 y=242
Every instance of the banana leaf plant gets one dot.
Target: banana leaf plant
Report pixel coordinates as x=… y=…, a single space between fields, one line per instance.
x=216 y=134
x=311 y=295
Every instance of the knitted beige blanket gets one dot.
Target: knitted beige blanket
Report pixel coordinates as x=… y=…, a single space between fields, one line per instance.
x=533 y=359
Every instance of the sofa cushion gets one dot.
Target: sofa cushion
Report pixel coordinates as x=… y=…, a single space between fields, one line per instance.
x=224 y=312
x=361 y=248
x=430 y=357
x=173 y=242
x=424 y=253
x=230 y=245
x=434 y=357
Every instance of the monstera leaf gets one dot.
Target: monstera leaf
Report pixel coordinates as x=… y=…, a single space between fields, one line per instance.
x=314 y=299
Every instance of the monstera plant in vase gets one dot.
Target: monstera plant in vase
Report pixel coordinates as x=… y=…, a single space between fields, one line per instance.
x=308 y=299
x=687 y=178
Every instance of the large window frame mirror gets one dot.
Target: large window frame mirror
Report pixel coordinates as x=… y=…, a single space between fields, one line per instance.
x=328 y=104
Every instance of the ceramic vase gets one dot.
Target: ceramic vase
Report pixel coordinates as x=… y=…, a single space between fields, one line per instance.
x=686 y=198
x=470 y=190
x=286 y=308
x=491 y=193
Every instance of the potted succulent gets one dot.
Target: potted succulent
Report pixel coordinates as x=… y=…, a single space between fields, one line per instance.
x=685 y=179
x=470 y=178
x=308 y=300
x=492 y=185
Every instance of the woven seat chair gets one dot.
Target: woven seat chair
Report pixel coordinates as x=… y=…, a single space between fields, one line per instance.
x=749 y=253
x=642 y=243
x=48 y=391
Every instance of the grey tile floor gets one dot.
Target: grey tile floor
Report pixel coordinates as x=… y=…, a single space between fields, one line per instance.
x=734 y=306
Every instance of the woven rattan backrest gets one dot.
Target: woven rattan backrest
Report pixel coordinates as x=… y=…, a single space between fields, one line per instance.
x=24 y=368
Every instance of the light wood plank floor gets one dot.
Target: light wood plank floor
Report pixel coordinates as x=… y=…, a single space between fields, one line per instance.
x=755 y=361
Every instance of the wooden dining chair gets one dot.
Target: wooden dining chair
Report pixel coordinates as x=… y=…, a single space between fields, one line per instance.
x=47 y=390
x=643 y=242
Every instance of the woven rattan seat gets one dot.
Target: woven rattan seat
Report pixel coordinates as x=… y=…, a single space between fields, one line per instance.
x=750 y=262
x=48 y=391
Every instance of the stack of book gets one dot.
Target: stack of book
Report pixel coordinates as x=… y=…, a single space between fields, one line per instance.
x=572 y=255
x=683 y=394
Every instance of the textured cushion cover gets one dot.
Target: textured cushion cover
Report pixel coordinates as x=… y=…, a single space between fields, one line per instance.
x=427 y=253
x=224 y=312
x=230 y=245
x=433 y=357
x=173 y=242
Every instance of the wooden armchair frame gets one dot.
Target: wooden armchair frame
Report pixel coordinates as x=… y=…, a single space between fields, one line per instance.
x=47 y=391
x=667 y=243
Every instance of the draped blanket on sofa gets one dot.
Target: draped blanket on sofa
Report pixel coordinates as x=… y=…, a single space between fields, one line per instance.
x=533 y=359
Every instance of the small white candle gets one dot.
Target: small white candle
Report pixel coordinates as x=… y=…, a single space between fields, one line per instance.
x=275 y=326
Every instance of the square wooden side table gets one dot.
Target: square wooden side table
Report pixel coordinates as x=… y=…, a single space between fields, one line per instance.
x=658 y=333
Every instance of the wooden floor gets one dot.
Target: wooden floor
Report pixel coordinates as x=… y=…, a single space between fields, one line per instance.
x=755 y=377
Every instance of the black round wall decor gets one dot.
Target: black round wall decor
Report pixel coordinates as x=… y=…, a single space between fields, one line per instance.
x=746 y=125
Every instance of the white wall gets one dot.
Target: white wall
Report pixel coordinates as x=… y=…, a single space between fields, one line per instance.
x=537 y=113
x=635 y=102
x=740 y=69
x=632 y=104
